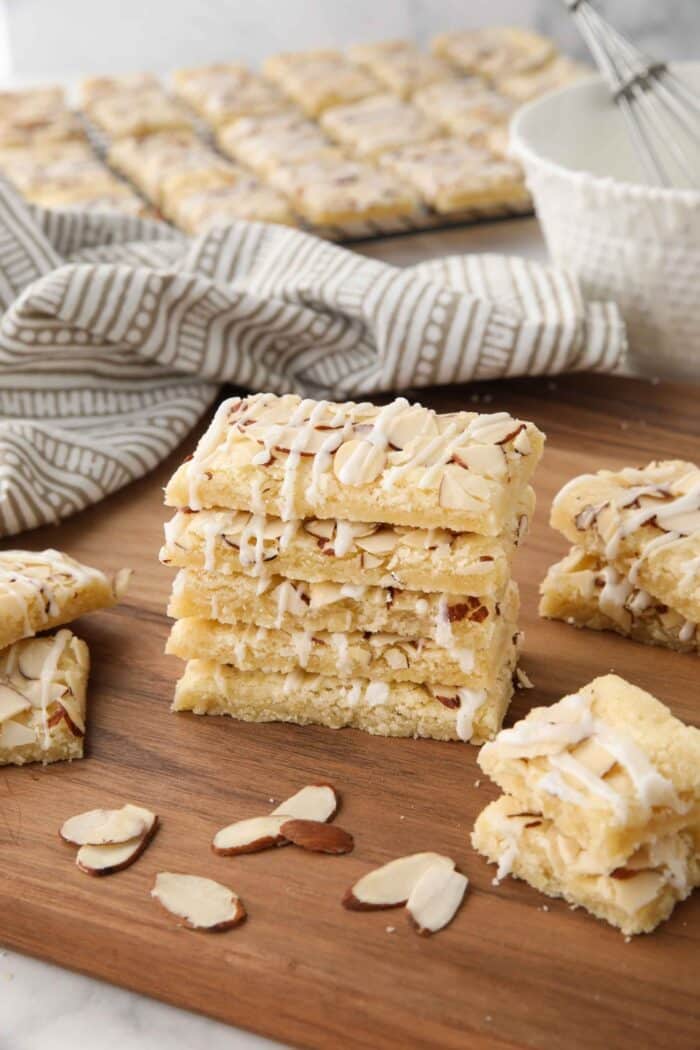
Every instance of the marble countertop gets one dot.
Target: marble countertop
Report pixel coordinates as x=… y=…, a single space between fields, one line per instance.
x=72 y=1008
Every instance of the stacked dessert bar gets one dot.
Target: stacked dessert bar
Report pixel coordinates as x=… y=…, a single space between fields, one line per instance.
x=635 y=564
x=350 y=565
x=43 y=680
x=601 y=804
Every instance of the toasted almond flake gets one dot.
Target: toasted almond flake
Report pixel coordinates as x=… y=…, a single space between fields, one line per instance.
x=100 y=827
x=249 y=836
x=32 y=657
x=313 y=802
x=16 y=734
x=487 y=460
x=384 y=541
x=392 y=884
x=201 y=904
x=109 y=859
x=435 y=898
x=12 y=702
x=358 y=462
x=317 y=836
x=457 y=489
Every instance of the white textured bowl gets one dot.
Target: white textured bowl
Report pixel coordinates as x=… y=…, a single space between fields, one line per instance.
x=625 y=240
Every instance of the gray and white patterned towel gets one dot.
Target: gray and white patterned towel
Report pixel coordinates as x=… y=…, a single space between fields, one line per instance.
x=116 y=333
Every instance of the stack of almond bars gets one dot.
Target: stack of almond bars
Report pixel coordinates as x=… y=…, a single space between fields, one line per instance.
x=350 y=565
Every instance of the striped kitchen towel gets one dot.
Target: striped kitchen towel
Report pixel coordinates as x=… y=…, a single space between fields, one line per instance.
x=116 y=333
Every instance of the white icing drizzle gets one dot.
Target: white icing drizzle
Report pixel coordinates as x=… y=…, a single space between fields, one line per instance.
x=253 y=553
x=340 y=643
x=470 y=700
x=554 y=784
x=302 y=642
x=344 y=539
x=571 y=766
x=443 y=628
x=210 y=530
x=651 y=787
x=257 y=503
x=613 y=597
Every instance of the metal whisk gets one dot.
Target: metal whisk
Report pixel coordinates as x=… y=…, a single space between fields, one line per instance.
x=661 y=110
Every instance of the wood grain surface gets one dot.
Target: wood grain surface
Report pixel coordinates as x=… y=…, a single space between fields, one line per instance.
x=510 y=972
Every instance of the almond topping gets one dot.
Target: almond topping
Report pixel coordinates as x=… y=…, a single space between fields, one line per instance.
x=456 y=490
x=12 y=702
x=358 y=462
x=392 y=884
x=32 y=657
x=249 y=836
x=314 y=802
x=202 y=904
x=488 y=460
x=100 y=827
x=413 y=422
x=435 y=898
x=381 y=542
x=318 y=837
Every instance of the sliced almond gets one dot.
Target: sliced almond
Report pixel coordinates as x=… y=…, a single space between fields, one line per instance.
x=522 y=443
x=322 y=594
x=16 y=734
x=392 y=884
x=305 y=440
x=487 y=460
x=100 y=827
x=435 y=898
x=323 y=529
x=383 y=541
x=62 y=714
x=686 y=524
x=456 y=489
x=12 y=702
x=120 y=583
x=395 y=658
x=358 y=462
x=415 y=421
x=73 y=712
x=202 y=904
x=370 y=561
x=317 y=836
x=249 y=836
x=314 y=802
x=32 y=657
x=498 y=430
x=109 y=859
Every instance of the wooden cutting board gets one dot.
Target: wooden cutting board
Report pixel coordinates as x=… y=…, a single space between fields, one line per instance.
x=514 y=970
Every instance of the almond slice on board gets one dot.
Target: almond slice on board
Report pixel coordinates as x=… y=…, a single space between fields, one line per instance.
x=435 y=898
x=318 y=837
x=313 y=802
x=201 y=904
x=392 y=884
x=101 y=827
x=113 y=857
x=249 y=836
